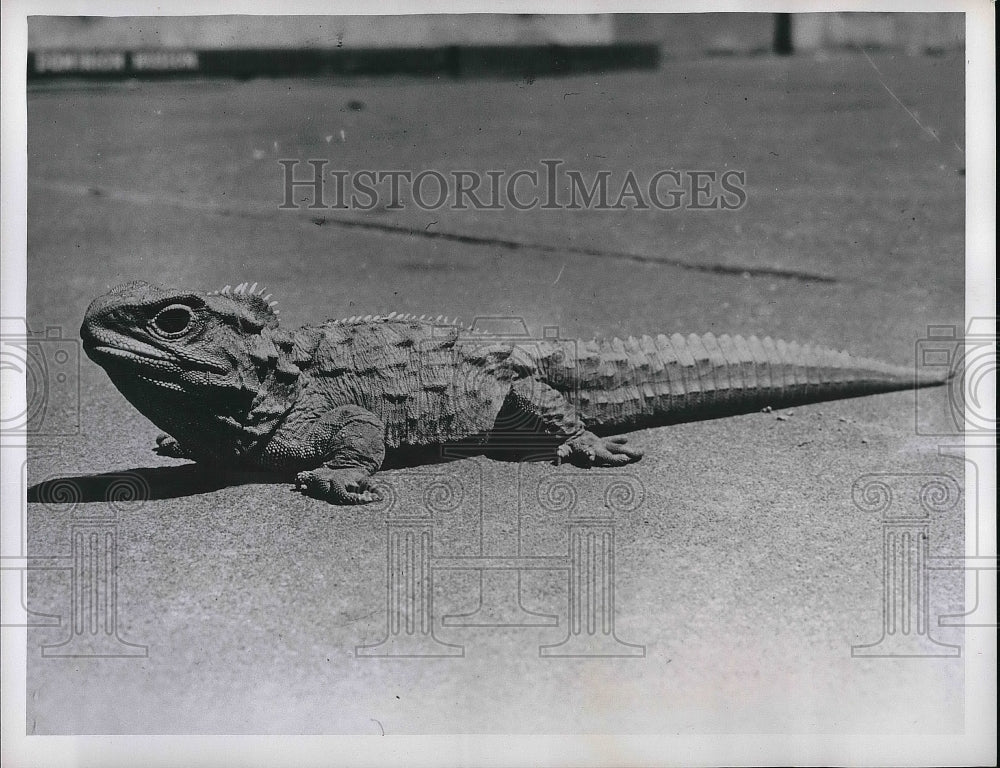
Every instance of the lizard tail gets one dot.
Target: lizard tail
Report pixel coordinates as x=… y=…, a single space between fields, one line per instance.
x=616 y=383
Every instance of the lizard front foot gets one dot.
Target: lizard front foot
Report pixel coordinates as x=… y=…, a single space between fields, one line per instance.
x=344 y=485
x=589 y=450
x=169 y=447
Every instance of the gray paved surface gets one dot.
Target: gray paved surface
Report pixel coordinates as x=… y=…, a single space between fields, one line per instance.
x=746 y=572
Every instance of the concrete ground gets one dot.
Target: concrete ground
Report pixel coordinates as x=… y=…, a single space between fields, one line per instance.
x=741 y=564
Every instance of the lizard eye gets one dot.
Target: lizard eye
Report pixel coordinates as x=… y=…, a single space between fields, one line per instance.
x=173 y=321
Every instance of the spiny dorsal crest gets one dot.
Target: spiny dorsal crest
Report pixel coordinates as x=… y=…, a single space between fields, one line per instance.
x=400 y=317
x=248 y=303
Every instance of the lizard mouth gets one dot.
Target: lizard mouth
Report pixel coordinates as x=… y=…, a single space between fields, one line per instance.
x=130 y=358
x=163 y=384
x=122 y=358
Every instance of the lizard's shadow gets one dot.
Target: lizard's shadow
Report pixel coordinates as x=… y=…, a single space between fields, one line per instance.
x=140 y=483
x=190 y=479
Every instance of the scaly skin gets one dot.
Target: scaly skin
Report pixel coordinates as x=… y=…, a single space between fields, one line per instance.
x=325 y=402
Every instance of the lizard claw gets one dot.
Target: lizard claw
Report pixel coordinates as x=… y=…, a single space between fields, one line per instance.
x=589 y=450
x=344 y=485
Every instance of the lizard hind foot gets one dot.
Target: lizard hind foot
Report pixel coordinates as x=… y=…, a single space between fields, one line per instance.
x=589 y=450
x=345 y=485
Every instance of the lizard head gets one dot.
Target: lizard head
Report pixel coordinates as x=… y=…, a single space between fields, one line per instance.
x=200 y=345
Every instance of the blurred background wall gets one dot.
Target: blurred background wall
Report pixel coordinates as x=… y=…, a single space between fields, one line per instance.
x=688 y=34
x=677 y=34
x=214 y=32
x=912 y=32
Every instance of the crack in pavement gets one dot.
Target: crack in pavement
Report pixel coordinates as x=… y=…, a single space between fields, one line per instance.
x=251 y=210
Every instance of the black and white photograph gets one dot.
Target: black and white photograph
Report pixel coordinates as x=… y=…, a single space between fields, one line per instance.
x=512 y=385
